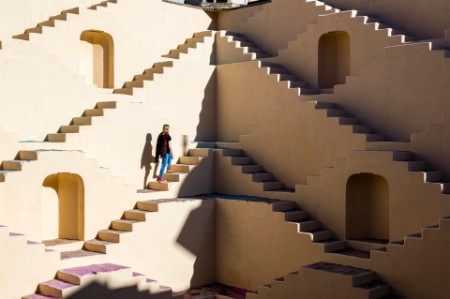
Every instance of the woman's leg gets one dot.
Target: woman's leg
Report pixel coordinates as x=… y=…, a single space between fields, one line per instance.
x=169 y=161
x=163 y=165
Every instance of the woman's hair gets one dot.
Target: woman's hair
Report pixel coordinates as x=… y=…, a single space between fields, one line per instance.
x=165 y=126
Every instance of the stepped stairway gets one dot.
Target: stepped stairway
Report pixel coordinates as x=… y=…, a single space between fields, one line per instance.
x=437 y=44
x=109 y=238
x=68 y=282
x=14 y=166
x=179 y=171
x=51 y=22
x=266 y=180
x=364 y=283
x=102 y=4
x=189 y=44
x=77 y=122
x=247 y=47
x=411 y=239
x=138 y=81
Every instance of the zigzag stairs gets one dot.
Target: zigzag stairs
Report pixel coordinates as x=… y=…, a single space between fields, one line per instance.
x=84 y=120
x=51 y=22
x=352 y=249
x=320 y=7
x=8 y=167
x=266 y=180
x=190 y=43
x=72 y=280
x=179 y=171
x=437 y=44
x=365 y=283
x=413 y=238
x=247 y=47
x=111 y=237
x=147 y=75
x=103 y=4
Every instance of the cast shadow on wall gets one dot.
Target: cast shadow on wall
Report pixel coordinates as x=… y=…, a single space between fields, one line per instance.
x=198 y=237
x=101 y=290
x=206 y=128
x=147 y=158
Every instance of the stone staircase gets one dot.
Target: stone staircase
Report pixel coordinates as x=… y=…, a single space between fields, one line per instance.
x=190 y=43
x=147 y=75
x=109 y=238
x=77 y=122
x=70 y=281
x=179 y=171
x=8 y=167
x=102 y=4
x=308 y=226
x=242 y=43
x=360 y=283
x=51 y=22
x=266 y=180
x=14 y=166
x=413 y=238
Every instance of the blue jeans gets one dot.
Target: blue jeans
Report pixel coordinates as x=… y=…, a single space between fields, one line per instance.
x=166 y=162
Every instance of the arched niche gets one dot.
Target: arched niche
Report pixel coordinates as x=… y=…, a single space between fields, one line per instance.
x=367 y=207
x=334 y=58
x=97 y=58
x=63 y=207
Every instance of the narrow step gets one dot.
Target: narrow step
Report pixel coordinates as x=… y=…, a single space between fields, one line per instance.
x=244 y=160
x=123 y=224
x=82 y=121
x=93 y=112
x=81 y=275
x=69 y=129
x=56 y=137
x=181 y=168
x=160 y=186
x=272 y=185
x=106 y=105
x=190 y=160
x=27 y=155
x=14 y=165
x=110 y=235
x=262 y=177
x=135 y=214
x=251 y=168
x=56 y=288
x=97 y=245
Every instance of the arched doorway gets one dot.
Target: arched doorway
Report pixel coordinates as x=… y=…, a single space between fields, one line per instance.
x=97 y=58
x=67 y=213
x=334 y=58
x=367 y=207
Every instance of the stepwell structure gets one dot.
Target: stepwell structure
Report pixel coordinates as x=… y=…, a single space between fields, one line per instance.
x=311 y=146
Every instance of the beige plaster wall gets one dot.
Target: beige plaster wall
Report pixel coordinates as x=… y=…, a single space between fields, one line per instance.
x=255 y=245
x=10 y=144
x=23 y=264
x=32 y=99
x=301 y=56
x=175 y=246
x=417 y=269
x=134 y=46
x=410 y=80
x=105 y=197
x=22 y=14
x=266 y=25
x=404 y=15
x=413 y=204
x=124 y=139
x=287 y=135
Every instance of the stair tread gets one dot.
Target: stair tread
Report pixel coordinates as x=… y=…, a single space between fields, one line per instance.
x=57 y=284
